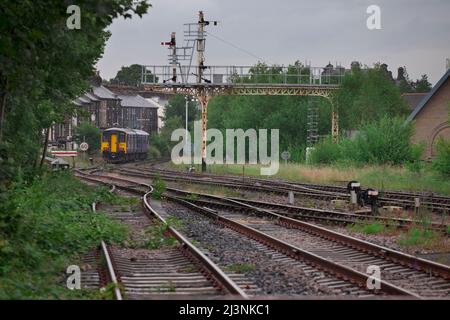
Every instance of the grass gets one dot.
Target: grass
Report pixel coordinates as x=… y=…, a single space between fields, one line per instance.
x=46 y=226
x=240 y=268
x=157 y=233
x=370 y=228
x=209 y=189
x=167 y=287
x=159 y=187
x=419 y=237
x=380 y=177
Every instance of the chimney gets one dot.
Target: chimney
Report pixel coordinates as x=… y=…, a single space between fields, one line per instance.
x=400 y=74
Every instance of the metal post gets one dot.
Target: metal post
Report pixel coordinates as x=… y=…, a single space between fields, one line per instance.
x=200 y=46
x=203 y=99
x=174 y=57
x=186 y=133
x=334 y=123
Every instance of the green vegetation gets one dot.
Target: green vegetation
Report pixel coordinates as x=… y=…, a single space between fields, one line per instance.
x=385 y=141
x=158 y=234
x=192 y=196
x=43 y=68
x=89 y=133
x=44 y=227
x=240 y=267
x=442 y=161
x=419 y=237
x=370 y=228
x=369 y=94
x=131 y=75
x=383 y=177
x=159 y=187
x=169 y=286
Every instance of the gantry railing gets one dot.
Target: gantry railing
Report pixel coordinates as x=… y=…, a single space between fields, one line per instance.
x=243 y=75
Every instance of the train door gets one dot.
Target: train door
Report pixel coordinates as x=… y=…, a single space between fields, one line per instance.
x=113 y=143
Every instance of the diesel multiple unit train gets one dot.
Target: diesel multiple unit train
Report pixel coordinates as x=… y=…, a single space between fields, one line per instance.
x=122 y=145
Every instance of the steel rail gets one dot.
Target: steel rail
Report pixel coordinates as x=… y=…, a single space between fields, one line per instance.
x=111 y=272
x=398 y=257
x=338 y=270
x=202 y=261
x=427 y=266
x=210 y=267
x=109 y=264
x=430 y=200
x=320 y=214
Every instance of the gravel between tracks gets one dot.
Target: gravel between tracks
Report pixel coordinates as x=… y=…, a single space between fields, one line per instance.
x=227 y=247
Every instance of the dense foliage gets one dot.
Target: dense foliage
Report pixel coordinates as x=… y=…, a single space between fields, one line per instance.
x=366 y=95
x=44 y=65
x=442 y=161
x=130 y=75
x=41 y=229
x=89 y=133
x=386 y=141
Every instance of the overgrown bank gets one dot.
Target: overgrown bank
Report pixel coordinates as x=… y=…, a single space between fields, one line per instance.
x=383 y=177
x=46 y=226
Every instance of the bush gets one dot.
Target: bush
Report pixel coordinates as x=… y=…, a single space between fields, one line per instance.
x=386 y=141
x=53 y=223
x=441 y=162
x=89 y=133
x=153 y=152
x=157 y=142
x=325 y=152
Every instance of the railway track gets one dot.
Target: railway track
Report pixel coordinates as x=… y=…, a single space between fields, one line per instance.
x=432 y=201
x=313 y=214
x=415 y=275
x=342 y=256
x=302 y=213
x=325 y=281
x=176 y=272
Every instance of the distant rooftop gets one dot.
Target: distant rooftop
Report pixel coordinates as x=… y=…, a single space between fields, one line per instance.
x=413 y=99
x=103 y=93
x=135 y=101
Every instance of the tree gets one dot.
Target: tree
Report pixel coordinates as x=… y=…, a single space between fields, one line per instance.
x=130 y=75
x=89 y=133
x=403 y=81
x=177 y=108
x=44 y=65
x=422 y=84
x=367 y=95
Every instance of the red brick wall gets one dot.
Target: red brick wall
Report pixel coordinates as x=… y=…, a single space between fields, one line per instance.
x=433 y=120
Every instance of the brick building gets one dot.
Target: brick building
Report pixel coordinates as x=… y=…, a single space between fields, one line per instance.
x=105 y=109
x=138 y=113
x=431 y=117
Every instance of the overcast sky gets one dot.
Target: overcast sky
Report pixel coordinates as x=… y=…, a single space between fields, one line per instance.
x=415 y=33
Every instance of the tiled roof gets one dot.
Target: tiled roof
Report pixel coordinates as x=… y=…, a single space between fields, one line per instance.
x=135 y=101
x=91 y=96
x=413 y=99
x=103 y=93
x=425 y=100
